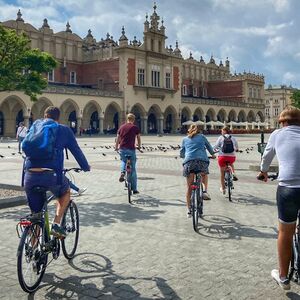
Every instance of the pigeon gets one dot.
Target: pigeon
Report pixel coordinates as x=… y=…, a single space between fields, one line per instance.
x=175 y=157
x=1 y=156
x=13 y=153
x=94 y=148
x=84 y=144
x=103 y=154
x=116 y=158
x=8 y=147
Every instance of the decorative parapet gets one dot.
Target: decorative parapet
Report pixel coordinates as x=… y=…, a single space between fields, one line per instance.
x=240 y=76
x=56 y=89
x=221 y=102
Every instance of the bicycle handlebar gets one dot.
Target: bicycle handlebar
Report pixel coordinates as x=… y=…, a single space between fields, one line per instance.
x=272 y=177
x=77 y=170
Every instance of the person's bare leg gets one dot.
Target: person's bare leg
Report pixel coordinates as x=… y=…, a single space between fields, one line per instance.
x=222 y=169
x=205 y=181
x=284 y=246
x=62 y=204
x=189 y=181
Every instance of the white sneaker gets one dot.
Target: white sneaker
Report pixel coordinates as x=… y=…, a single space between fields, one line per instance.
x=206 y=196
x=189 y=213
x=284 y=284
x=81 y=191
x=222 y=191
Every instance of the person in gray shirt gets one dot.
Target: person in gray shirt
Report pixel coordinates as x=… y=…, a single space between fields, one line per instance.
x=285 y=144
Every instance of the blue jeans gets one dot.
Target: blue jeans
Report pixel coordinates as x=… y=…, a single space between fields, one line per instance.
x=123 y=153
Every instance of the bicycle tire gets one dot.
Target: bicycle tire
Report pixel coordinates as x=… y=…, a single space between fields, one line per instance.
x=129 y=189
x=194 y=208
x=200 y=201
x=70 y=223
x=36 y=259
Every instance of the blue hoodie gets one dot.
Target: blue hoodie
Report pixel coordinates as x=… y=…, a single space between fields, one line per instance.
x=65 y=140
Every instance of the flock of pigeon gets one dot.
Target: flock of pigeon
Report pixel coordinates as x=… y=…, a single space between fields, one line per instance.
x=144 y=148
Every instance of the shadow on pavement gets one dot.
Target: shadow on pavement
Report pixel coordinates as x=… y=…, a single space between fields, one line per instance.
x=248 y=199
x=149 y=201
x=293 y=296
x=222 y=227
x=95 y=278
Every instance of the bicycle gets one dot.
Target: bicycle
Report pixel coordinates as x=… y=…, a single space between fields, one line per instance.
x=128 y=175
x=36 y=242
x=197 y=199
x=294 y=270
x=228 y=180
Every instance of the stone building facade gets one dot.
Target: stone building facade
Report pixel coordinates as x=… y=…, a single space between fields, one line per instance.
x=97 y=83
x=276 y=99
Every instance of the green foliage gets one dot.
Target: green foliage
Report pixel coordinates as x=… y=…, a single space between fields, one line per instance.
x=296 y=98
x=22 y=68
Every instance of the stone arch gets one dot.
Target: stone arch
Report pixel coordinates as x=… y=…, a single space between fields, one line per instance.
x=222 y=115
x=38 y=108
x=232 y=116
x=198 y=115
x=260 y=117
x=242 y=116
x=14 y=111
x=140 y=116
x=155 y=120
x=69 y=112
x=91 y=118
x=251 y=116
x=186 y=114
x=112 y=118
x=170 y=116
x=210 y=115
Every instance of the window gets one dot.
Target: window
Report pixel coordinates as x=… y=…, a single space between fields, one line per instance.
x=141 y=76
x=267 y=112
x=195 y=92
x=184 y=90
x=276 y=111
x=204 y=92
x=100 y=84
x=159 y=46
x=51 y=76
x=73 y=77
x=250 y=92
x=168 y=80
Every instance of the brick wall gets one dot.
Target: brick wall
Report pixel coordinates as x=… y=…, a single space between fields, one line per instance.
x=226 y=89
x=176 y=78
x=131 y=71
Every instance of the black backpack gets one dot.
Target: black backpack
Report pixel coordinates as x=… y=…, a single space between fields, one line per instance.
x=227 y=145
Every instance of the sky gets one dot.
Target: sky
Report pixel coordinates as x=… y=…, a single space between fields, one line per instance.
x=260 y=36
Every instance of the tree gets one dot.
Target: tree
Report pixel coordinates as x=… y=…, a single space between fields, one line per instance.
x=22 y=68
x=296 y=98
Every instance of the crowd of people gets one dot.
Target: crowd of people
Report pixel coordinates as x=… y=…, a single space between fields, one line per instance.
x=283 y=142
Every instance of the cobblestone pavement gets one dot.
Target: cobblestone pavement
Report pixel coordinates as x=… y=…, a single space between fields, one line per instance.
x=149 y=250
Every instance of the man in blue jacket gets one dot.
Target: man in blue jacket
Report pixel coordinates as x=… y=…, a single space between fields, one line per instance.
x=49 y=173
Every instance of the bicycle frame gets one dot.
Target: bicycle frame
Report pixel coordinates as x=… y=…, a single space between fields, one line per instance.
x=196 y=199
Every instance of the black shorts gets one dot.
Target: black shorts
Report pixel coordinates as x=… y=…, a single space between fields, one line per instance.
x=288 y=204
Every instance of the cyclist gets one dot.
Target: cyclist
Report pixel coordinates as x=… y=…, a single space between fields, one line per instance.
x=226 y=145
x=48 y=173
x=127 y=135
x=193 y=151
x=285 y=143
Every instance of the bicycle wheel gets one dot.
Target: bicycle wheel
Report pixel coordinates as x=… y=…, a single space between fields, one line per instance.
x=31 y=259
x=70 y=223
x=295 y=260
x=200 y=202
x=129 y=189
x=194 y=207
x=228 y=184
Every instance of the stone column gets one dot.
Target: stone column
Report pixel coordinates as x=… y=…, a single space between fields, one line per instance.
x=79 y=125
x=101 y=124
x=160 y=125
x=144 y=125
x=26 y=121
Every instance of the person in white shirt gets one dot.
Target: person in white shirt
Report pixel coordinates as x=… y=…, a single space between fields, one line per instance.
x=21 y=133
x=285 y=144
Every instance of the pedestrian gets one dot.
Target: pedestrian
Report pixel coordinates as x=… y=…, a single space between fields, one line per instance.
x=21 y=133
x=193 y=152
x=285 y=144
